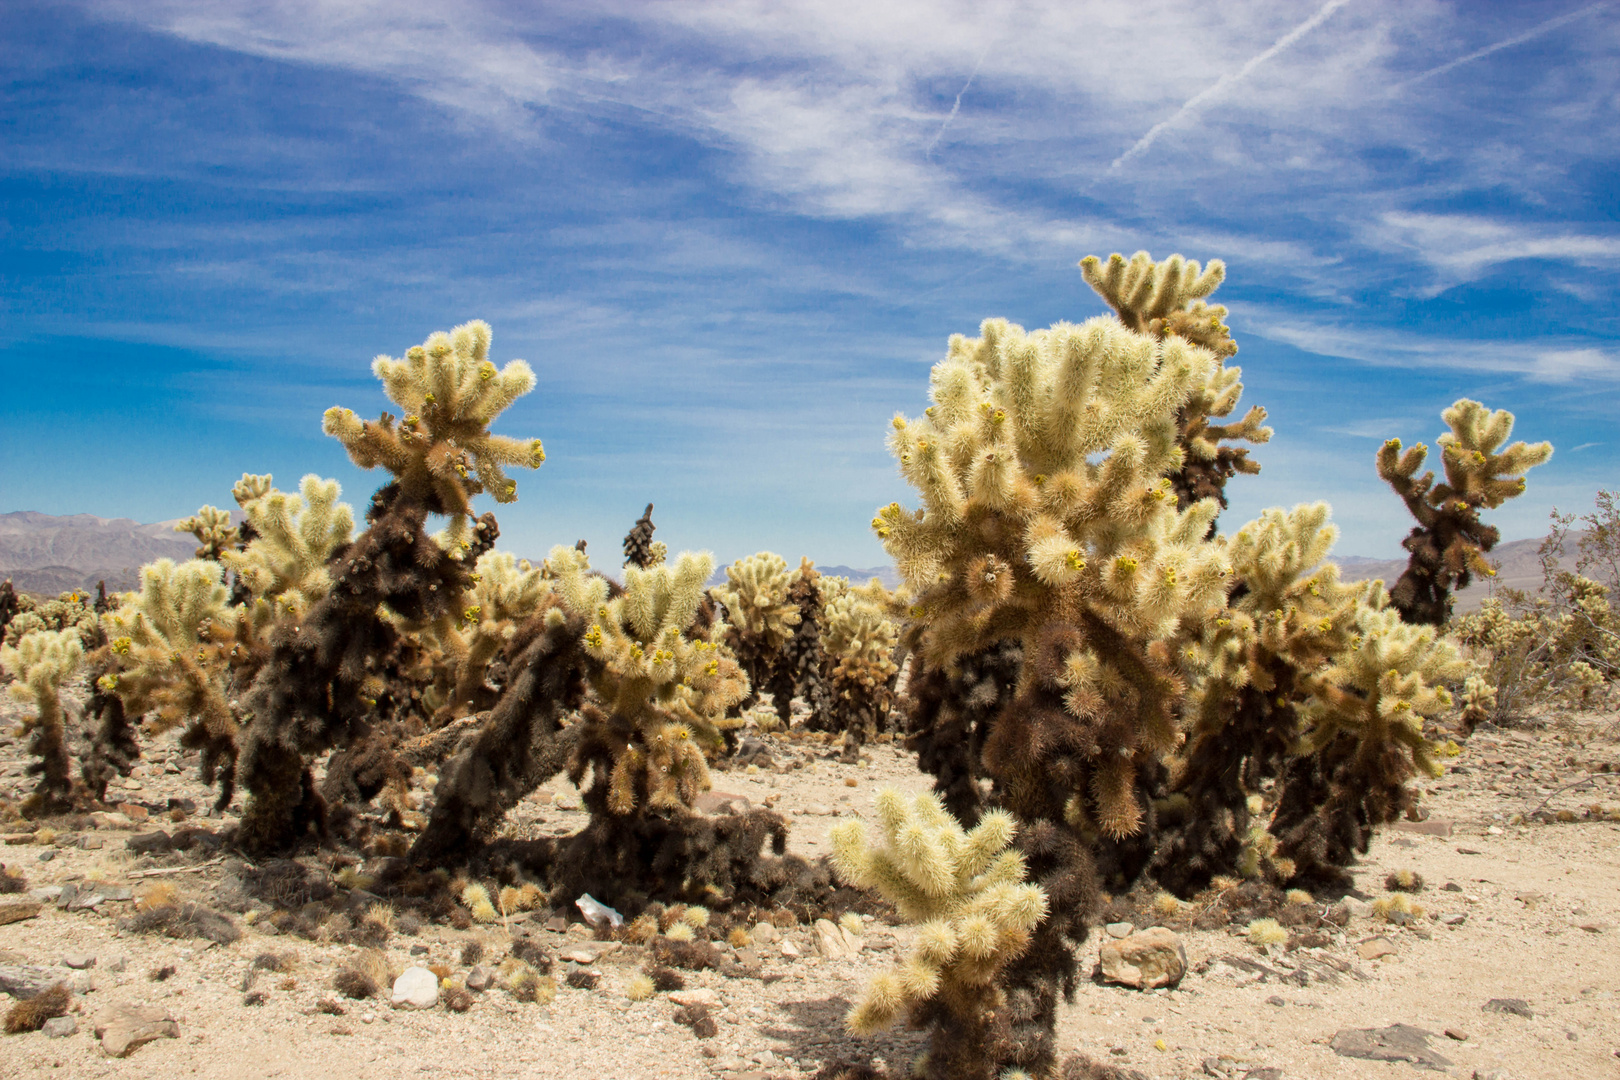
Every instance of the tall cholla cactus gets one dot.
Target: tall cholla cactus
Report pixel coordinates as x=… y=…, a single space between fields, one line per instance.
x=662 y=676
x=762 y=618
x=171 y=649
x=975 y=913
x=284 y=566
x=1255 y=662
x=1363 y=738
x=42 y=662
x=859 y=634
x=1025 y=534
x=443 y=453
x=318 y=687
x=1165 y=299
x=1448 y=545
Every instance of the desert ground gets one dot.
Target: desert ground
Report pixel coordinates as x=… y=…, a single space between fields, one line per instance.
x=1519 y=907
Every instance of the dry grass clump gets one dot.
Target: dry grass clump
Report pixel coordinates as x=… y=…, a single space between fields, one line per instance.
x=679 y=932
x=852 y=922
x=697 y=1018
x=364 y=976
x=1407 y=881
x=1399 y=908
x=183 y=920
x=525 y=984
x=666 y=979
x=533 y=955
x=12 y=881
x=457 y=999
x=1266 y=932
x=1165 y=905
x=739 y=938
x=161 y=974
x=156 y=894
x=31 y=1015
x=580 y=979
x=1299 y=896
x=269 y=961
x=472 y=952
x=640 y=930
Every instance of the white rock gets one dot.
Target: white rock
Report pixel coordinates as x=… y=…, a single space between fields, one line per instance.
x=417 y=988
x=763 y=932
x=790 y=950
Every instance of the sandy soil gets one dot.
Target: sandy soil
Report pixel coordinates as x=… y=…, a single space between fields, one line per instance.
x=1540 y=921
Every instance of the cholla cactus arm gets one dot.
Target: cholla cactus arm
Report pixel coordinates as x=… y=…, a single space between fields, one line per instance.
x=1448 y=545
x=975 y=912
x=213 y=529
x=859 y=639
x=755 y=595
x=442 y=452
x=41 y=662
x=295 y=535
x=1141 y=290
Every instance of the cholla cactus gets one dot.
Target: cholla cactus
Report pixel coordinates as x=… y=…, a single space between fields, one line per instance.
x=71 y=610
x=975 y=914
x=506 y=593
x=42 y=662
x=442 y=453
x=640 y=549
x=213 y=529
x=284 y=566
x=320 y=684
x=1048 y=518
x=1363 y=738
x=1165 y=299
x=664 y=680
x=171 y=651
x=1448 y=545
x=1254 y=665
x=761 y=617
x=800 y=670
x=859 y=637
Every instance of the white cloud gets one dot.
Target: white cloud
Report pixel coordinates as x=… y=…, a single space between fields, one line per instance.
x=1462 y=248
x=1539 y=361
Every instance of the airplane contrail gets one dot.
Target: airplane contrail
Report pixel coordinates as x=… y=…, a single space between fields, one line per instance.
x=1520 y=39
x=928 y=153
x=1192 y=104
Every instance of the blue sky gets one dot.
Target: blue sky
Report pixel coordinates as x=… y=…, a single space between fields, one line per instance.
x=732 y=236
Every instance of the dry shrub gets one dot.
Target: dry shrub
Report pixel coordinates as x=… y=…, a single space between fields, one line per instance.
x=31 y=1015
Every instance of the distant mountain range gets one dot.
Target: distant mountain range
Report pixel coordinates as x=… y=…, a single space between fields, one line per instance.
x=42 y=553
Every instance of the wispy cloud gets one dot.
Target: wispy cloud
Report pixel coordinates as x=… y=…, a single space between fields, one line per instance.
x=1463 y=247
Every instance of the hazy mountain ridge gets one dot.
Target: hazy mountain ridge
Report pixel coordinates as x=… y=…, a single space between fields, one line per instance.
x=44 y=553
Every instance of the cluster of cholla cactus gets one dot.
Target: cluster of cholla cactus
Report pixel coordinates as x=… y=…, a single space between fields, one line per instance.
x=1449 y=542
x=860 y=636
x=762 y=619
x=975 y=913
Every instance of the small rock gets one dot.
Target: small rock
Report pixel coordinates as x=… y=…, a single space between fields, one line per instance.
x=123 y=1029
x=1263 y=1074
x=1511 y=1006
x=47 y=855
x=1432 y=827
x=46 y=894
x=78 y=961
x=701 y=996
x=1119 y=929
x=1459 y=1036
x=90 y=842
x=790 y=950
x=1451 y=886
x=557 y=924
x=1455 y=918
x=1275 y=1000
x=1143 y=961
x=834 y=942
x=111 y=819
x=114 y=963
x=10 y=913
x=480 y=978
x=764 y=933
x=1398 y=1042
x=1373 y=948
x=58 y=1027
x=416 y=988
x=579 y=956
x=419 y=950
